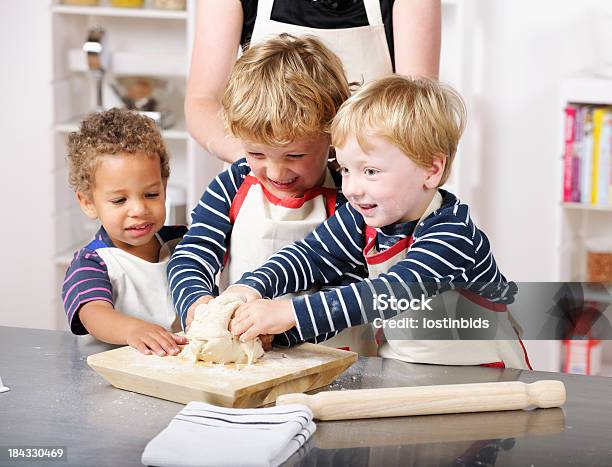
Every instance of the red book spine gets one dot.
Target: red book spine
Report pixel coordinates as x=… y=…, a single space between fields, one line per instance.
x=570 y=117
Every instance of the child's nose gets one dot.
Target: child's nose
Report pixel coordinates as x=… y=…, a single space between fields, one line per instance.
x=351 y=188
x=275 y=171
x=137 y=208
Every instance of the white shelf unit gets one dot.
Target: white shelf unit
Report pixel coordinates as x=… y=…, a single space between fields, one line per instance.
x=576 y=223
x=178 y=131
x=118 y=12
x=142 y=41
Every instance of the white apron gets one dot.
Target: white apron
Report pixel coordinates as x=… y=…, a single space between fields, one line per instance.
x=263 y=224
x=363 y=50
x=140 y=288
x=399 y=344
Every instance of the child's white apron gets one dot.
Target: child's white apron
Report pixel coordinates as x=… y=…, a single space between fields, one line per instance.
x=508 y=353
x=140 y=288
x=263 y=224
x=363 y=50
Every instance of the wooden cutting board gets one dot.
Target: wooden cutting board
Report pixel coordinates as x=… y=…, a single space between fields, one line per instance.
x=280 y=371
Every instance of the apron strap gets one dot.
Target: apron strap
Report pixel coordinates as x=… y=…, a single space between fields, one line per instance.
x=483 y=302
x=264 y=9
x=369 y=234
x=372 y=8
x=249 y=181
x=330 y=195
x=241 y=195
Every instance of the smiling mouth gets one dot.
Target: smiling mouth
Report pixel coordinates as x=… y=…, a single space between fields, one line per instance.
x=284 y=184
x=367 y=207
x=140 y=227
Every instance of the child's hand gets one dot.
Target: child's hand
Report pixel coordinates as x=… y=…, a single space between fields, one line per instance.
x=191 y=310
x=262 y=317
x=151 y=338
x=247 y=292
x=266 y=341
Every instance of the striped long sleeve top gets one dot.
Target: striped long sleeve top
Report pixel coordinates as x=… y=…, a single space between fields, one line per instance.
x=448 y=251
x=199 y=257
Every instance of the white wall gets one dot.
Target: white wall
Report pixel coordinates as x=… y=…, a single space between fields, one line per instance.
x=522 y=50
x=26 y=271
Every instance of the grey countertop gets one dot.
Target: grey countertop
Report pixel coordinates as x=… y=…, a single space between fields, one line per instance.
x=56 y=399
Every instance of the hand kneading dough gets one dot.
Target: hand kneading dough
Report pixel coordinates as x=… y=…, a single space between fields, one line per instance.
x=210 y=339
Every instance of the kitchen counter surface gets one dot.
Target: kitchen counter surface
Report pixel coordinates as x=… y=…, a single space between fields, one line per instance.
x=57 y=400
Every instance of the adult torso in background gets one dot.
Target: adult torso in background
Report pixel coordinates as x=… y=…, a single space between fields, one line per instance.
x=321 y=14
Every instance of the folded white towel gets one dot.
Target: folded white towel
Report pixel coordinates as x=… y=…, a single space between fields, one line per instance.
x=204 y=434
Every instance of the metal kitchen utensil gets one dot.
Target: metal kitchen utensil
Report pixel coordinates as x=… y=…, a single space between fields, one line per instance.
x=146 y=95
x=140 y=92
x=97 y=60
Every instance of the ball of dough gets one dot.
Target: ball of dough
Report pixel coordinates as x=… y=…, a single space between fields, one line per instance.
x=210 y=339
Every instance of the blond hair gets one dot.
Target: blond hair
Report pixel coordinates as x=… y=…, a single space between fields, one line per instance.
x=112 y=132
x=282 y=89
x=420 y=116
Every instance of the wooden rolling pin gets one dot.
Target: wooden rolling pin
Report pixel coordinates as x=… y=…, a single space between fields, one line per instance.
x=428 y=400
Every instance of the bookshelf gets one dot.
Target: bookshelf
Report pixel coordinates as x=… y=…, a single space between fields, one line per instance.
x=580 y=224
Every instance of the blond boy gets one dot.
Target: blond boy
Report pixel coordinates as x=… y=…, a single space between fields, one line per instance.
x=280 y=101
x=395 y=143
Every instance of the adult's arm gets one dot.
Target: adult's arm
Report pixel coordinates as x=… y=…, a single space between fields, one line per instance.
x=416 y=37
x=217 y=37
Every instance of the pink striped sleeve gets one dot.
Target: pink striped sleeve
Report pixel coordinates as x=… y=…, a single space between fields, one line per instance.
x=86 y=280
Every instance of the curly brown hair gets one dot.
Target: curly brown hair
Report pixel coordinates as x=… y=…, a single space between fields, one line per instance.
x=113 y=131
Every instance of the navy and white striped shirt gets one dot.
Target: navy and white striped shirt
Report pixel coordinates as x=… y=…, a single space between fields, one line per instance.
x=199 y=257
x=448 y=252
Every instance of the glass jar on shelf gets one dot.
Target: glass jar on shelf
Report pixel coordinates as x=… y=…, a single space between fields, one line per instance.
x=599 y=259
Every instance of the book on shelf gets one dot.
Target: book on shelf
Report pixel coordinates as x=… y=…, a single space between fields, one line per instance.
x=605 y=147
x=568 y=153
x=586 y=159
x=587 y=155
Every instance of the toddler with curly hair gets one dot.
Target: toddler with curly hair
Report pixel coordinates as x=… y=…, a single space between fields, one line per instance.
x=115 y=288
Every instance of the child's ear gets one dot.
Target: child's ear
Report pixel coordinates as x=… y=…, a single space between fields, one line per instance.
x=435 y=172
x=87 y=205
